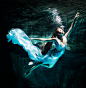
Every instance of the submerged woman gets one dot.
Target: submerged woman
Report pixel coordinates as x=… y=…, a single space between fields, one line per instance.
x=46 y=56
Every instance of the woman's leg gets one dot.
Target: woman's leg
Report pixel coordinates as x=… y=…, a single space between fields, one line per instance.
x=32 y=68
x=47 y=47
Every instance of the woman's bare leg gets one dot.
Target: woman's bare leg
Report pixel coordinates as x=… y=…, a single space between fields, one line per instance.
x=47 y=47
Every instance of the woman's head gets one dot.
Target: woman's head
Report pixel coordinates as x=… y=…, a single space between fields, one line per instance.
x=59 y=33
x=59 y=30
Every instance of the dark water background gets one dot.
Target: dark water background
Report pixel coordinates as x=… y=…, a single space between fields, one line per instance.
x=35 y=18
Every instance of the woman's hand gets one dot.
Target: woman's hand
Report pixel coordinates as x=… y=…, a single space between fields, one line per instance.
x=77 y=14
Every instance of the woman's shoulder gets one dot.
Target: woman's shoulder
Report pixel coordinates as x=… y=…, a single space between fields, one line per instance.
x=64 y=40
x=64 y=37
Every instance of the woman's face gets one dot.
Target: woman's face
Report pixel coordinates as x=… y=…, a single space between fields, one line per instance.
x=59 y=33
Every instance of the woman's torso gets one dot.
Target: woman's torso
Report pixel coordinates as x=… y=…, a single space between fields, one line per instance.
x=60 y=47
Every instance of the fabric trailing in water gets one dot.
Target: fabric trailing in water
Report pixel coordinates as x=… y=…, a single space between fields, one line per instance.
x=18 y=36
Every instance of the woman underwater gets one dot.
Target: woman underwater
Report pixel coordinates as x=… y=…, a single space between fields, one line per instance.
x=46 y=55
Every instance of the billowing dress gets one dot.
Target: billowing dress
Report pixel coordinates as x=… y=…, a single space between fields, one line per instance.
x=19 y=37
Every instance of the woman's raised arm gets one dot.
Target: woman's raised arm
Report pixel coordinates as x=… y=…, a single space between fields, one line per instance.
x=72 y=24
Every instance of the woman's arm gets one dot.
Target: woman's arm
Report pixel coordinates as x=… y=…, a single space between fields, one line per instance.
x=72 y=25
x=44 y=39
x=50 y=40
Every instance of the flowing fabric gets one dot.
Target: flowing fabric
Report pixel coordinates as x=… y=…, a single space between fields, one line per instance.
x=19 y=37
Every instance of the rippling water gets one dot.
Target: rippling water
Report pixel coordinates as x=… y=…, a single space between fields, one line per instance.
x=39 y=19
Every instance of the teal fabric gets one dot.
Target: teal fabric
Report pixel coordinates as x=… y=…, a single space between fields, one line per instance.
x=19 y=37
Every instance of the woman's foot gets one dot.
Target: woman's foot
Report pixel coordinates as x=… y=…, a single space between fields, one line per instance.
x=33 y=67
